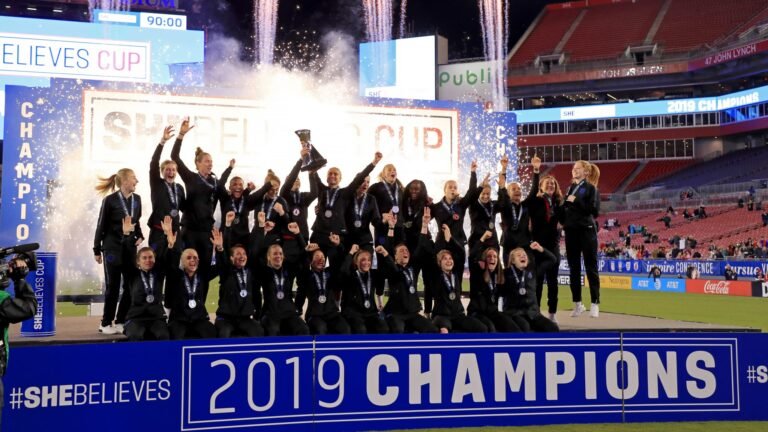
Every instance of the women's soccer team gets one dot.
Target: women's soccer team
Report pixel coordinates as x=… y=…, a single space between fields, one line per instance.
x=281 y=278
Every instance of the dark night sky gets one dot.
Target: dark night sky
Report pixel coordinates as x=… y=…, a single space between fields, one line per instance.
x=458 y=20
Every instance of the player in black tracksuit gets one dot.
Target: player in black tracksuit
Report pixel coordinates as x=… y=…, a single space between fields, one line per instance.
x=389 y=195
x=239 y=295
x=545 y=210
x=482 y=217
x=319 y=286
x=184 y=292
x=146 y=317
x=580 y=208
x=520 y=289
x=486 y=286
x=168 y=197
x=332 y=203
x=203 y=192
x=267 y=201
x=235 y=200
x=403 y=309
x=108 y=241
x=298 y=201
x=515 y=218
x=360 y=301
x=361 y=212
x=448 y=312
x=450 y=211
x=280 y=316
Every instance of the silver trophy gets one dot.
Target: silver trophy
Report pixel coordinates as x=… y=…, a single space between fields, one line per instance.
x=314 y=160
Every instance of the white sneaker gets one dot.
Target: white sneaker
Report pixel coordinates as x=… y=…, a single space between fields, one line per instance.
x=119 y=328
x=578 y=309
x=553 y=318
x=594 y=310
x=107 y=330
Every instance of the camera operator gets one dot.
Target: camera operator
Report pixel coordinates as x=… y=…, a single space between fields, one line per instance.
x=14 y=309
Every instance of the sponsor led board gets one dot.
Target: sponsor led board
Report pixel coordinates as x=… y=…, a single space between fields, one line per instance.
x=677 y=106
x=32 y=51
x=401 y=68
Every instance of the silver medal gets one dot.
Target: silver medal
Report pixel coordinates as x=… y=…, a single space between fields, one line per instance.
x=490 y=225
x=358 y=224
x=493 y=299
x=452 y=296
x=407 y=224
x=243 y=293
x=412 y=290
x=237 y=220
x=150 y=298
x=367 y=304
x=321 y=299
x=296 y=212
x=174 y=213
x=280 y=295
x=395 y=209
x=192 y=304
x=328 y=214
x=522 y=291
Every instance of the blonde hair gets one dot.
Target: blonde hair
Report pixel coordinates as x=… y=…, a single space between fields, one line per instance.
x=357 y=257
x=397 y=180
x=109 y=184
x=593 y=174
x=184 y=255
x=441 y=254
x=200 y=154
x=165 y=164
x=511 y=258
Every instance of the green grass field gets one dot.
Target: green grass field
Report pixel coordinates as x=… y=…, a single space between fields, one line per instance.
x=737 y=311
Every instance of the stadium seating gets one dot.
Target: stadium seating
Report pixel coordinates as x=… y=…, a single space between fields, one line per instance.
x=729 y=166
x=657 y=169
x=612 y=174
x=606 y=31
x=545 y=36
x=689 y=24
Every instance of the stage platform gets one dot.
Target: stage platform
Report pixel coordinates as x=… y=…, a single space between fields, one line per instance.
x=85 y=329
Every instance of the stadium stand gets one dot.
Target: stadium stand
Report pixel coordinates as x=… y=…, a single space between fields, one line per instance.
x=604 y=31
x=657 y=169
x=689 y=24
x=734 y=165
x=613 y=174
x=545 y=36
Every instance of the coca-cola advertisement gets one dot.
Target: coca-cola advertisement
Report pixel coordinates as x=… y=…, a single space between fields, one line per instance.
x=719 y=287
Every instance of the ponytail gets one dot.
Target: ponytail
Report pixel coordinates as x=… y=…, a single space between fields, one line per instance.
x=106 y=185
x=109 y=184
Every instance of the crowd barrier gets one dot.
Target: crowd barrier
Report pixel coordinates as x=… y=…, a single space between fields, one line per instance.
x=387 y=382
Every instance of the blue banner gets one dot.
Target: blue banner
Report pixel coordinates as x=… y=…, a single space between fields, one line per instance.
x=388 y=382
x=658 y=284
x=43 y=283
x=707 y=268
